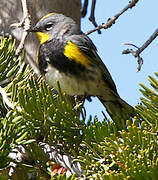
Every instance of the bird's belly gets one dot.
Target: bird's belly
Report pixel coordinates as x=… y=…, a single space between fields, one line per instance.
x=71 y=84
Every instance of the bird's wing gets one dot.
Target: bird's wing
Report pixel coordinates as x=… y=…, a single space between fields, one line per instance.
x=87 y=47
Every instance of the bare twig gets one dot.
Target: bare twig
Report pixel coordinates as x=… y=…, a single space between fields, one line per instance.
x=130 y=44
x=53 y=153
x=7 y=100
x=84 y=9
x=26 y=24
x=6 y=80
x=92 y=16
x=113 y=20
x=139 y=50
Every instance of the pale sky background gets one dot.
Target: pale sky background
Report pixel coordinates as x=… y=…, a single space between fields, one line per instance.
x=135 y=26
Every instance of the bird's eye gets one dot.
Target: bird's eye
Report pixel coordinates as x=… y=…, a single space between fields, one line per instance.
x=48 y=26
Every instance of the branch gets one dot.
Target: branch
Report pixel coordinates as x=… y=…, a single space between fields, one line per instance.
x=53 y=153
x=7 y=100
x=92 y=16
x=112 y=21
x=137 y=53
x=24 y=23
x=84 y=9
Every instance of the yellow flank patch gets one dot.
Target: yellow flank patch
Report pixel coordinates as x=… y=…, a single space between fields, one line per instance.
x=47 y=16
x=43 y=37
x=74 y=53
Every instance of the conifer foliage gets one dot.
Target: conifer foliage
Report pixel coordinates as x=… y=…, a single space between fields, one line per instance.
x=30 y=113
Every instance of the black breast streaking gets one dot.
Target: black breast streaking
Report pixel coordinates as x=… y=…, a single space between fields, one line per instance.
x=52 y=53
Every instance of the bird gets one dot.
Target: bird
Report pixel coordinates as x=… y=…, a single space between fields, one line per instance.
x=69 y=56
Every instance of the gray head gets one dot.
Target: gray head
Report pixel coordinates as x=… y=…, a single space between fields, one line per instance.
x=54 y=26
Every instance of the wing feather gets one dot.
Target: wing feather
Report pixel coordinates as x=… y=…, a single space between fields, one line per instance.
x=85 y=44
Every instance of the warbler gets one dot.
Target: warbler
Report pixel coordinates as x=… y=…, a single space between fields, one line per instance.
x=69 y=56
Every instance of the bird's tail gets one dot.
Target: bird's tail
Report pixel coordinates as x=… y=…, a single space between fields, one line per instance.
x=119 y=111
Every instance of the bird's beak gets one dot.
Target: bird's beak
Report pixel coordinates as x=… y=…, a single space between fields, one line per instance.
x=33 y=29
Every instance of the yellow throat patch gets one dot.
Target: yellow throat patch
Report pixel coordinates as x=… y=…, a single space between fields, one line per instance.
x=43 y=37
x=74 y=53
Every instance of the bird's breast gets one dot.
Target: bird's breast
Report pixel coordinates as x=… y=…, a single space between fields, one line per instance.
x=84 y=84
